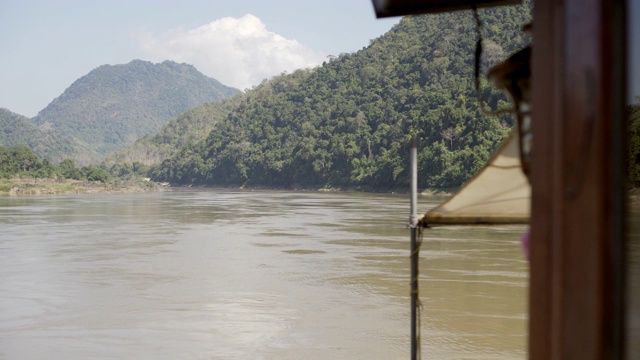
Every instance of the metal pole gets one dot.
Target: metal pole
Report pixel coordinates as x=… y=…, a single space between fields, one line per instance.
x=413 y=224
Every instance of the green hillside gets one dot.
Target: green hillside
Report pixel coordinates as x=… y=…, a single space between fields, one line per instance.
x=15 y=129
x=347 y=123
x=186 y=129
x=19 y=130
x=113 y=105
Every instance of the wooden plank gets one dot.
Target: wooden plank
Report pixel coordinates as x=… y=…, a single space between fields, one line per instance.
x=577 y=180
x=545 y=74
x=387 y=8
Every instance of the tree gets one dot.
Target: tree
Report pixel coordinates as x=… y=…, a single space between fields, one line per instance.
x=95 y=173
x=69 y=170
x=450 y=134
x=46 y=170
x=25 y=157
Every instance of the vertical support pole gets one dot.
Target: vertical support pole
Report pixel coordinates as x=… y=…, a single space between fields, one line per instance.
x=576 y=298
x=413 y=224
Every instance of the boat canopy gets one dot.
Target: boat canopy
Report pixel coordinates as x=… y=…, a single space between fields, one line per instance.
x=498 y=194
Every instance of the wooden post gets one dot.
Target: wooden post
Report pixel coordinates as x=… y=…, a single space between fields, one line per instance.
x=413 y=224
x=577 y=176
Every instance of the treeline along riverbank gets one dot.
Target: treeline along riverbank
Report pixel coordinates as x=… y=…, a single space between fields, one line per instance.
x=48 y=186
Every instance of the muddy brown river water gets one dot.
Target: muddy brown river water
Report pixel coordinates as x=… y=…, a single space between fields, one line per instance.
x=230 y=274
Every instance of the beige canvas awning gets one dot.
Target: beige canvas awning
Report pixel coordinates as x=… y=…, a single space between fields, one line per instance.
x=498 y=194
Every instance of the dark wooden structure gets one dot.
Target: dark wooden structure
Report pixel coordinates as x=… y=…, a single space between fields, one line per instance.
x=577 y=176
x=576 y=308
x=385 y=8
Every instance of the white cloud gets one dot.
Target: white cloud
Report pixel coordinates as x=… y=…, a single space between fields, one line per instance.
x=237 y=52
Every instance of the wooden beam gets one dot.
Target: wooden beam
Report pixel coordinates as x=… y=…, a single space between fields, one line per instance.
x=577 y=177
x=388 y=8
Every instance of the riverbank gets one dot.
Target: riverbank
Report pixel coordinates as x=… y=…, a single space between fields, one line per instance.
x=371 y=190
x=28 y=187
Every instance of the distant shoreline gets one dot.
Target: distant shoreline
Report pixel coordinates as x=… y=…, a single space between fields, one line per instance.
x=427 y=192
x=39 y=187
x=34 y=187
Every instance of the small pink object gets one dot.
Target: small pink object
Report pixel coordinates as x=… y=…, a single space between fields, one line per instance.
x=524 y=242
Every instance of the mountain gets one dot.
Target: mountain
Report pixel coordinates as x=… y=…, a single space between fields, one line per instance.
x=20 y=130
x=16 y=129
x=113 y=105
x=347 y=123
x=184 y=130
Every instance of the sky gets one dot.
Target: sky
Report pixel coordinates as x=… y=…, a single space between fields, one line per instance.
x=45 y=45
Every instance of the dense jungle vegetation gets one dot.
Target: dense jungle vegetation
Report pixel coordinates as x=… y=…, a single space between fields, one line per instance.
x=347 y=123
x=20 y=130
x=22 y=172
x=184 y=130
x=21 y=161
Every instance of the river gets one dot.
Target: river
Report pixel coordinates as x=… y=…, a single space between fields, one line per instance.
x=232 y=274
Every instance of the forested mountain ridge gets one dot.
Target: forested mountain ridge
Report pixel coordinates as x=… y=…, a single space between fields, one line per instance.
x=347 y=122
x=20 y=130
x=113 y=105
x=186 y=129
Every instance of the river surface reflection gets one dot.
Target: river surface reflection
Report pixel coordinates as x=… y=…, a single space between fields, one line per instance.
x=224 y=274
